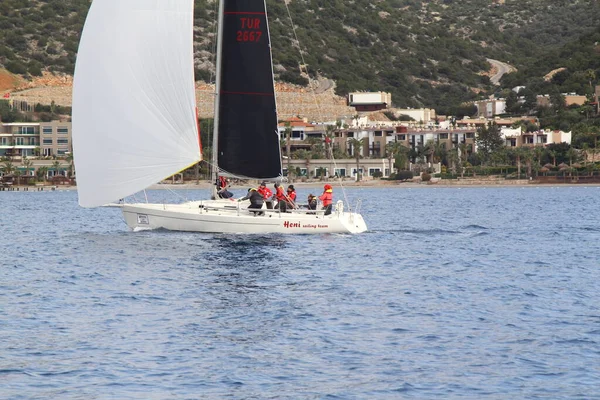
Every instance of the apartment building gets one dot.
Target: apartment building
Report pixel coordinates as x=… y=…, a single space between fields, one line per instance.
x=31 y=139
x=517 y=138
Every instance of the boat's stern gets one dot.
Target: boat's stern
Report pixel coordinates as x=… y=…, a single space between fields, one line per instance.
x=354 y=222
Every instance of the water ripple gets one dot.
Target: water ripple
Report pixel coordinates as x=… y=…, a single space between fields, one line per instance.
x=488 y=300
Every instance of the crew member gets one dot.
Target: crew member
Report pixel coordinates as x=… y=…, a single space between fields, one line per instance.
x=256 y=199
x=266 y=194
x=279 y=196
x=290 y=197
x=327 y=198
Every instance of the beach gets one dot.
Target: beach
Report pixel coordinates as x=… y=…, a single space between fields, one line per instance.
x=373 y=183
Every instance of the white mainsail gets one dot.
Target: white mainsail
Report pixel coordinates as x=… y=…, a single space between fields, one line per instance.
x=134 y=105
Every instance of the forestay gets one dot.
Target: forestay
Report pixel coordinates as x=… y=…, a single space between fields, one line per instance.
x=134 y=107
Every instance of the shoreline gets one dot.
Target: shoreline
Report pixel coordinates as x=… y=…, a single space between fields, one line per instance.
x=463 y=183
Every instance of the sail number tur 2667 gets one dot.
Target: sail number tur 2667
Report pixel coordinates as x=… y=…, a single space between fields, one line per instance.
x=249 y=30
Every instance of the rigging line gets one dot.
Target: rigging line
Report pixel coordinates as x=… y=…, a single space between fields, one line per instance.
x=319 y=109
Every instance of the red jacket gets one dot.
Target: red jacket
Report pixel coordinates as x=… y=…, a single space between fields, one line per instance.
x=280 y=195
x=326 y=197
x=265 y=192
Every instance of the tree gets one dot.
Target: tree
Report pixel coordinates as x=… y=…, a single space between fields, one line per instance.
x=56 y=167
x=27 y=164
x=391 y=149
x=288 y=149
x=18 y=175
x=357 y=145
x=71 y=167
x=488 y=139
x=329 y=136
x=42 y=173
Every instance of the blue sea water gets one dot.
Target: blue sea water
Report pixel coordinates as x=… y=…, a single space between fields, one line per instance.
x=454 y=293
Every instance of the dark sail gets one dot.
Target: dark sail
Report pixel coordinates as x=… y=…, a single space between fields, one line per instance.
x=248 y=143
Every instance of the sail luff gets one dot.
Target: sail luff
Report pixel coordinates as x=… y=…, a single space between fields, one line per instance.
x=134 y=107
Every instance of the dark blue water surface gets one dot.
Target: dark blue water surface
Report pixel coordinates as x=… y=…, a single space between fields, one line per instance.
x=453 y=293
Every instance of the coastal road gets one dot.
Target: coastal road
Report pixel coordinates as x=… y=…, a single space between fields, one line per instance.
x=501 y=69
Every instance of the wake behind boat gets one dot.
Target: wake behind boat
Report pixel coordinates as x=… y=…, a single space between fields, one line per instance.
x=135 y=68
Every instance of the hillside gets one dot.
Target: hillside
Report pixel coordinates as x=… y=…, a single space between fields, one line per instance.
x=427 y=53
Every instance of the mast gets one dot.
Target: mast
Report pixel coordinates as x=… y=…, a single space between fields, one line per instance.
x=215 y=146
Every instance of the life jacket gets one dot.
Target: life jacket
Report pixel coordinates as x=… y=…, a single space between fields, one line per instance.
x=280 y=195
x=327 y=197
x=265 y=192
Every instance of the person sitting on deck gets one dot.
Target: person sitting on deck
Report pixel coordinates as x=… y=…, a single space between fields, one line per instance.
x=256 y=200
x=222 y=191
x=312 y=202
x=290 y=197
x=327 y=198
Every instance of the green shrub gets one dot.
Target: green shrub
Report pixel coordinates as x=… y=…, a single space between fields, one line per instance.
x=404 y=175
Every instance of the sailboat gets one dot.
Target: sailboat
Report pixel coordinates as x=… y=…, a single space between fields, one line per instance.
x=135 y=120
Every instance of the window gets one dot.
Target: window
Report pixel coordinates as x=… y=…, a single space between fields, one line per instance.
x=26 y=130
x=401 y=137
x=62 y=130
x=32 y=141
x=20 y=141
x=47 y=152
x=340 y=171
x=529 y=140
x=321 y=171
x=443 y=136
x=62 y=152
x=62 y=141
x=4 y=141
x=470 y=135
x=378 y=133
x=372 y=171
x=298 y=135
x=47 y=130
x=48 y=141
x=303 y=172
x=350 y=134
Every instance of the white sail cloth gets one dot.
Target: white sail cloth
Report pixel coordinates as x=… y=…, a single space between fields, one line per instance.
x=134 y=106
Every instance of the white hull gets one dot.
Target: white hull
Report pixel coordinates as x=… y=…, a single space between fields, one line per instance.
x=221 y=216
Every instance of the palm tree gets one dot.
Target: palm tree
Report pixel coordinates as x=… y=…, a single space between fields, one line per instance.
x=462 y=148
x=329 y=136
x=18 y=175
x=439 y=151
x=391 y=149
x=288 y=149
x=520 y=153
x=27 y=164
x=552 y=154
x=454 y=161
x=8 y=167
x=56 y=166
x=357 y=145
x=572 y=154
x=42 y=173
x=71 y=168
